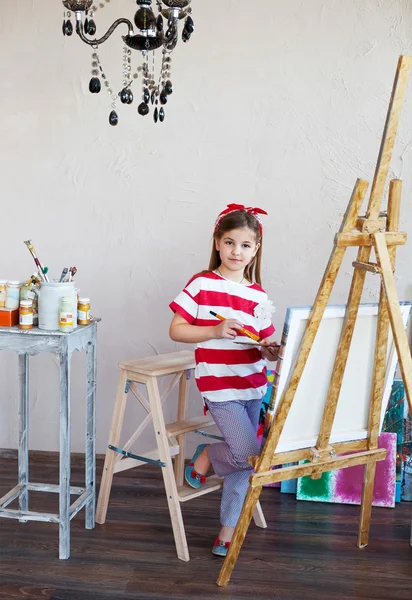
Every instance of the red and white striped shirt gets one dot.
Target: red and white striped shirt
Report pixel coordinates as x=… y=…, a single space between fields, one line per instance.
x=225 y=370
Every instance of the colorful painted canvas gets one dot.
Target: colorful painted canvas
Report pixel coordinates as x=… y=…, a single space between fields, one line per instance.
x=394 y=422
x=263 y=410
x=344 y=486
x=265 y=404
x=406 y=492
x=290 y=486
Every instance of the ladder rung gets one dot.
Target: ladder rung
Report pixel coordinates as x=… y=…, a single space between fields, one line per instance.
x=179 y=427
x=212 y=484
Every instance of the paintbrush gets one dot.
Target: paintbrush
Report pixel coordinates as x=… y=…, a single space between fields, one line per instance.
x=252 y=336
x=72 y=273
x=63 y=275
x=32 y=251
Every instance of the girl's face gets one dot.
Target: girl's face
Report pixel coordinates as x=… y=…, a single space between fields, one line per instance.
x=237 y=248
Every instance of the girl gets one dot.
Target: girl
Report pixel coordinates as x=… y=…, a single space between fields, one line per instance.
x=231 y=376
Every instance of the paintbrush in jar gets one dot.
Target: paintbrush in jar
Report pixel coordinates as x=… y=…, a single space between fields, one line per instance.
x=32 y=251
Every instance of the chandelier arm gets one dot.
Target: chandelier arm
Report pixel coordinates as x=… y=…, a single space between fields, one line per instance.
x=80 y=32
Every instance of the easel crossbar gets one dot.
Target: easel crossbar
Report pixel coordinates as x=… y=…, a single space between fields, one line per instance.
x=280 y=458
x=343 y=240
x=340 y=462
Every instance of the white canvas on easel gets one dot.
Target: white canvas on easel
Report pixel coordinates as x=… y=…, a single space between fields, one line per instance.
x=351 y=420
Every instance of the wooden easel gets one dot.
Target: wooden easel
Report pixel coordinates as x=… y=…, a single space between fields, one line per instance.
x=374 y=230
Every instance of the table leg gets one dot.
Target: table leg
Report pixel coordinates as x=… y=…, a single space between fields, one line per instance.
x=24 y=430
x=91 y=433
x=64 y=512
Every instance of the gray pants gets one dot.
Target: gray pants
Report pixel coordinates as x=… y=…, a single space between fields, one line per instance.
x=237 y=421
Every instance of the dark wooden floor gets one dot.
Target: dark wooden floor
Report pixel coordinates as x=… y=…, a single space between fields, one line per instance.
x=308 y=551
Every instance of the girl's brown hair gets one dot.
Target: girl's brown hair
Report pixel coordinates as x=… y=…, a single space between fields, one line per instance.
x=239 y=219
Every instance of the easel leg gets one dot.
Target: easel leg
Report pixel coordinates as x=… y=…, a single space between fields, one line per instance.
x=341 y=359
x=395 y=315
x=382 y=333
x=114 y=437
x=321 y=301
x=366 y=506
x=239 y=535
x=167 y=472
x=181 y=416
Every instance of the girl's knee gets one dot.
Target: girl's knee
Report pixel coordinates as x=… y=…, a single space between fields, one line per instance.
x=241 y=458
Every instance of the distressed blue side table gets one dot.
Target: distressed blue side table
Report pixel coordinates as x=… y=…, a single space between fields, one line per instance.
x=25 y=344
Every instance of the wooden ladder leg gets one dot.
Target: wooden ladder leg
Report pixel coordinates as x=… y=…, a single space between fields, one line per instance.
x=259 y=517
x=114 y=437
x=181 y=416
x=249 y=505
x=167 y=472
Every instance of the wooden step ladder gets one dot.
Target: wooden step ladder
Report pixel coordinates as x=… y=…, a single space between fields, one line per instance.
x=170 y=437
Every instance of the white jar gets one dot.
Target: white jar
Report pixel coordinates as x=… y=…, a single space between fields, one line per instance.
x=3 y=286
x=13 y=294
x=50 y=296
x=66 y=314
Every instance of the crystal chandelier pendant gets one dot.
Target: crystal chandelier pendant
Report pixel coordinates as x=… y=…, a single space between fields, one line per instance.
x=156 y=37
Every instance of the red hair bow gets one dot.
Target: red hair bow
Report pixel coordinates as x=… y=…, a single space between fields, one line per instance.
x=234 y=207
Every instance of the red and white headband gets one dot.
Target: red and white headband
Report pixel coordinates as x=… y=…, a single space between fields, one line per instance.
x=235 y=207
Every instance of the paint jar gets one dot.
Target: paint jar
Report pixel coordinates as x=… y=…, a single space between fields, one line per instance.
x=26 y=293
x=3 y=285
x=12 y=294
x=83 y=311
x=66 y=315
x=26 y=314
x=50 y=295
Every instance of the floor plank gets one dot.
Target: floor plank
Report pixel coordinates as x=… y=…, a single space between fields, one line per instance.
x=308 y=551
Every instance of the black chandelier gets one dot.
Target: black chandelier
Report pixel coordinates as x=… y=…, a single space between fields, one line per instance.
x=153 y=34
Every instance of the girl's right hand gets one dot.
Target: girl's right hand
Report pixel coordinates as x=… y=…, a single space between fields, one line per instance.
x=228 y=329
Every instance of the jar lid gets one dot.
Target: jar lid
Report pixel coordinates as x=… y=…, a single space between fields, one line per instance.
x=3 y=281
x=26 y=303
x=13 y=283
x=84 y=300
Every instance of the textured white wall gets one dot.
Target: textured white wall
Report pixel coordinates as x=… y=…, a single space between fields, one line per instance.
x=276 y=104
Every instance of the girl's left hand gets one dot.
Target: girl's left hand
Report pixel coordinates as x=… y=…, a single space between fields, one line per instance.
x=269 y=350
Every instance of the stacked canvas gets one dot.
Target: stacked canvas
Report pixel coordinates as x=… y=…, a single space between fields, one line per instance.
x=393 y=476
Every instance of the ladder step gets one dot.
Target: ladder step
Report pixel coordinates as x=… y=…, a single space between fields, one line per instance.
x=179 y=427
x=212 y=484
